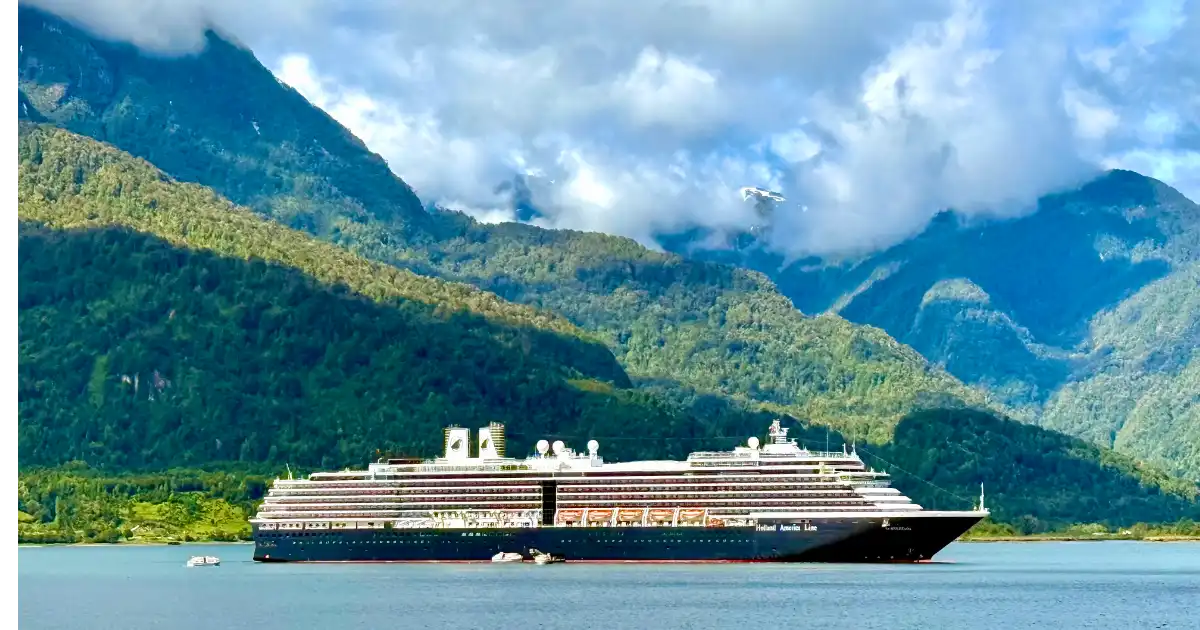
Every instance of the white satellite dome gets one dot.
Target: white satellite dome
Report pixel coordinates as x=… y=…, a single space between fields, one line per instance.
x=593 y=446
x=559 y=446
x=752 y=442
x=542 y=446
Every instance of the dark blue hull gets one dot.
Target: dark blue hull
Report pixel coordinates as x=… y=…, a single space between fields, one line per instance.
x=910 y=539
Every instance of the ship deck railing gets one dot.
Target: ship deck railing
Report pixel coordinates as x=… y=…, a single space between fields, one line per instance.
x=758 y=454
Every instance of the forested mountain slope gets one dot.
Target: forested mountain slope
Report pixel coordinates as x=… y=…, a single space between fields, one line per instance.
x=162 y=326
x=1084 y=315
x=708 y=327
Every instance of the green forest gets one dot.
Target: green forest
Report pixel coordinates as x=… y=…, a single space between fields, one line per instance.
x=74 y=504
x=1184 y=529
x=145 y=348
x=1083 y=317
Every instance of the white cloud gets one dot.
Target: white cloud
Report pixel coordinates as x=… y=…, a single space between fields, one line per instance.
x=664 y=90
x=1092 y=117
x=642 y=116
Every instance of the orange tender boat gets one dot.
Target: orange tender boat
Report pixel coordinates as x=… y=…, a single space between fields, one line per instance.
x=626 y=516
x=599 y=516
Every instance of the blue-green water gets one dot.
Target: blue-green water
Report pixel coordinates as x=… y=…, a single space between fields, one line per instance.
x=1124 y=585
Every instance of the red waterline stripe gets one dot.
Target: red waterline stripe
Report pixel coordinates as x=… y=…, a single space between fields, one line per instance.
x=525 y=561
x=601 y=562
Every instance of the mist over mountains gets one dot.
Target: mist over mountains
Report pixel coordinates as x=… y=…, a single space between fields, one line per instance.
x=1082 y=316
x=871 y=119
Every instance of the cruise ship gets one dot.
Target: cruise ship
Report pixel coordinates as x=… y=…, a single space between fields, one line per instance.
x=761 y=502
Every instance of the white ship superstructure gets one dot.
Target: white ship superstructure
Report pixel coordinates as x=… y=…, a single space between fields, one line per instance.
x=481 y=488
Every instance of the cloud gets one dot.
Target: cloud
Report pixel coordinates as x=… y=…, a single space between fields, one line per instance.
x=177 y=27
x=639 y=117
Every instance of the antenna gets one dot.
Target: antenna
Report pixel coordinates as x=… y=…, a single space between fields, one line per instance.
x=289 y=469
x=981 y=504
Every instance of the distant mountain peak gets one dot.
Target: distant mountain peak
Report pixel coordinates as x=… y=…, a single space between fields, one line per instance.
x=1120 y=187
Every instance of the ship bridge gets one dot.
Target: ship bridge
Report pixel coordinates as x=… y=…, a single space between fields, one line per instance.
x=778 y=450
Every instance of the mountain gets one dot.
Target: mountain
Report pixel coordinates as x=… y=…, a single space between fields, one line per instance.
x=283 y=155
x=706 y=327
x=162 y=326
x=298 y=351
x=1082 y=316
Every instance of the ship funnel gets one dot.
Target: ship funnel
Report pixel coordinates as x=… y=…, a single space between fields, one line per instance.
x=491 y=441
x=458 y=443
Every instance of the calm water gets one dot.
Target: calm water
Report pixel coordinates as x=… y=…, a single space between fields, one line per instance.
x=1122 y=585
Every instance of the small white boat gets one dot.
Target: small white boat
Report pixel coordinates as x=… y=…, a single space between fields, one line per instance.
x=544 y=558
x=508 y=556
x=204 y=561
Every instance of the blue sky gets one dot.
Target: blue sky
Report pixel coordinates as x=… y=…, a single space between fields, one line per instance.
x=642 y=116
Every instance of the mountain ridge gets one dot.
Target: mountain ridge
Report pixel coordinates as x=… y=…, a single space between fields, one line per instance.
x=155 y=304
x=663 y=316
x=1049 y=312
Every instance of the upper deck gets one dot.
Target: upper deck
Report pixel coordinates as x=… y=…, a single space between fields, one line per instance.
x=558 y=461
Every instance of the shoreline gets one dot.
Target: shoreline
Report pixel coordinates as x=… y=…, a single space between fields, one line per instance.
x=979 y=539
x=1032 y=539
x=139 y=543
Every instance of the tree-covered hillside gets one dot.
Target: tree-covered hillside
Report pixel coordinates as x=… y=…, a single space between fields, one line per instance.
x=706 y=326
x=162 y=326
x=74 y=503
x=1083 y=316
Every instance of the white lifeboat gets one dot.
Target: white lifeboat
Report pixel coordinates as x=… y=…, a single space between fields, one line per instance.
x=540 y=557
x=204 y=561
